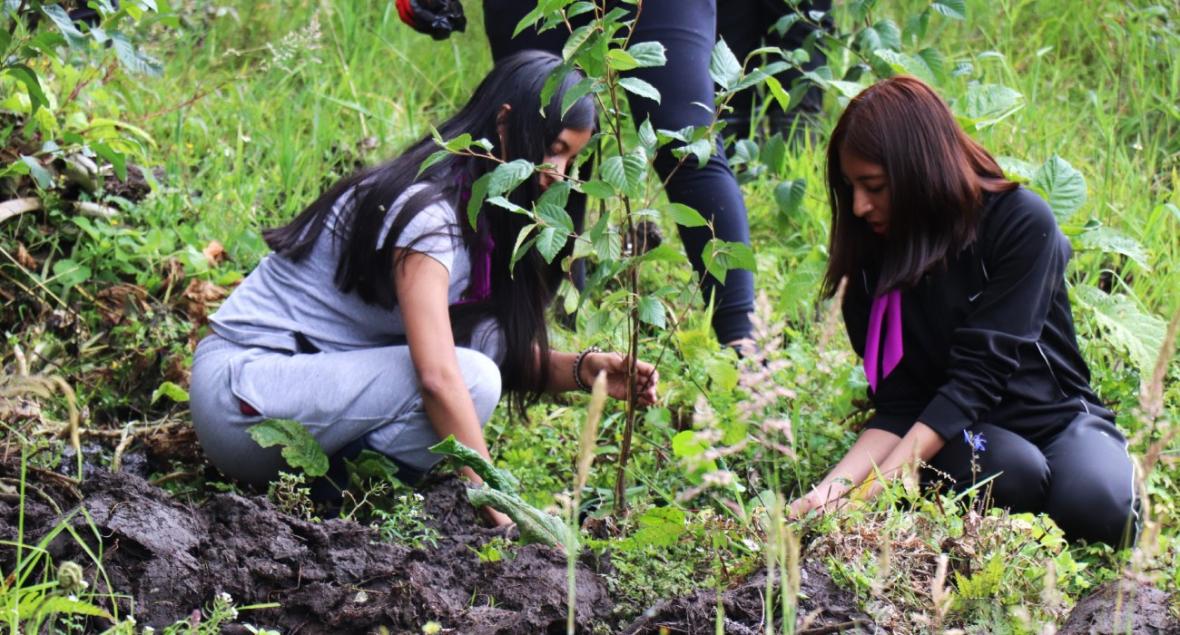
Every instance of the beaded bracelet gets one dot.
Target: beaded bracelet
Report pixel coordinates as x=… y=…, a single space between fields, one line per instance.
x=578 y=367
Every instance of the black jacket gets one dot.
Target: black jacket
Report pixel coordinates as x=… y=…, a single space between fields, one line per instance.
x=988 y=338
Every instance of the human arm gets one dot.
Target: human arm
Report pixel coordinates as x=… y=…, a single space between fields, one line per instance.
x=422 y=283
x=561 y=374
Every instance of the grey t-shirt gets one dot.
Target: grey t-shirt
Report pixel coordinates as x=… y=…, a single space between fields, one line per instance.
x=282 y=299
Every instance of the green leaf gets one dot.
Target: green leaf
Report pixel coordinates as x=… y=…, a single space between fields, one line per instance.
x=171 y=391
x=41 y=176
x=507 y=176
x=300 y=449
x=28 y=77
x=1062 y=185
x=522 y=246
x=658 y=527
x=598 y=189
x=774 y=154
x=550 y=241
x=613 y=172
x=61 y=19
x=651 y=311
x=1108 y=240
x=1017 y=169
x=576 y=92
x=1140 y=335
x=724 y=67
x=433 y=159
x=535 y=526
x=479 y=192
x=620 y=60
x=789 y=195
x=497 y=479
x=648 y=54
x=904 y=63
x=702 y=149
x=648 y=137
x=685 y=216
x=69 y=273
x=117 y=159
x=635 y=167
x=60 y=604
x=782 y=97
x=985 y=105
x=637 y=86
x=370 y=467
x=953 y=9
x=720 y=256
x=133 y=59
x=576 y=40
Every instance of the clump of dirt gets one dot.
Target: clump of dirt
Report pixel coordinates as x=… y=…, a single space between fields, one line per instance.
x=823 y=607
x=329 y=577
x=1123 y=607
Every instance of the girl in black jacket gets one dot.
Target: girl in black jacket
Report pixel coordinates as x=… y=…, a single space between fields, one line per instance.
x=956 y=300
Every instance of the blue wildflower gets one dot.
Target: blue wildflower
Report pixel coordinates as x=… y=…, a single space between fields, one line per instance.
x=975 y=441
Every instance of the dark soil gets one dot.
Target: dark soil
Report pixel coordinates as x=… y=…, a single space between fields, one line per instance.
x=823 y=608
x=1121 y=608
x=330 y=577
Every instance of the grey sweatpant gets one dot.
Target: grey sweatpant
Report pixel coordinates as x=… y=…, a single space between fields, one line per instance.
x=338 y=396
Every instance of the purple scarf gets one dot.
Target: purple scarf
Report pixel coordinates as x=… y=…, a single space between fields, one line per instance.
x=889 y=303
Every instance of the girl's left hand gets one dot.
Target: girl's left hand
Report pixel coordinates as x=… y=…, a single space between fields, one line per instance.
x=615 y=365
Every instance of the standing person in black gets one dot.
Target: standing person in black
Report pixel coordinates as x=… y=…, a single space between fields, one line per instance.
x=956 y=300
x=688 y=31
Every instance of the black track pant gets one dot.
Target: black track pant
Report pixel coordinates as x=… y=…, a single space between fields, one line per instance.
x=1081 y=476
x=688 y=30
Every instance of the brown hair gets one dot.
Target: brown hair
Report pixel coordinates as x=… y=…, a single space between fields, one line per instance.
x=936 y=173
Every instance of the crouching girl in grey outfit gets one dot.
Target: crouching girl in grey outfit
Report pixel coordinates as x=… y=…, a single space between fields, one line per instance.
x=383 y=320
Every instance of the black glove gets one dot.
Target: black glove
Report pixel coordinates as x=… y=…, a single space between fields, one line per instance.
x=436 y=18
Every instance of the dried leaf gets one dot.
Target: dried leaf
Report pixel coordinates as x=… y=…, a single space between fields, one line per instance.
x=214 y=253
x=25 y=259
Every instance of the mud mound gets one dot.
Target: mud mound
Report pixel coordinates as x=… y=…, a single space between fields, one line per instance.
x=329 y=577
x=1123 y=607
x=823 y=608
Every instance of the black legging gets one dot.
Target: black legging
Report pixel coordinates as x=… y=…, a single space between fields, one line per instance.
x=1078 y=472
x=688 y=30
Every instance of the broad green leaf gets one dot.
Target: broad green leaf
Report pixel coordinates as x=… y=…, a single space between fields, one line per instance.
x=522 y=246
x=722 y=373
x=60 y=605
x=598 y=189
x=61 y=19
x=637 y=86
x=635 y=170
x=774 y=154
x=69 y=273
x=1017 y=169
x=648 y=137
x=133 y=59
x=781 y=97
x=720 y=256
x=42 y=177
x=904 y=63
x=461 y=142
x=576 y=92
x=171 y=391
x=300 y=449
x=576 y=40
x=1108 y=240
x=613 y=172
x=28 y=77
x=935 y=61
x=789 y=195
x=117 y=159
x=1140 y=335
x=620 y=60
x=648 y=54
x=954 y=9
x=985 y=105
x=369 y=467
x=702 y=149
x=685 y=216
x=724 y=67
x=535 y=526
x=658 y=527
x=651 y=311
x=1063 y=186
x=497 y=479
x=507 y=176
x=550 y=241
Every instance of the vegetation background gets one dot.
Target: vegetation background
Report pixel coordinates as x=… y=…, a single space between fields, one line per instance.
x=255 y=107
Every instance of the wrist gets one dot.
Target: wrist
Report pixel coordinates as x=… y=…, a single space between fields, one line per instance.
x=584 y=365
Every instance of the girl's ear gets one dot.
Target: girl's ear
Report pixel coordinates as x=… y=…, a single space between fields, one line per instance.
x=502 y=129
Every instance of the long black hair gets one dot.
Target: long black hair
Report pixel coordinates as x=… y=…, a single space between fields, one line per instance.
x=519 y=298
x=937 y=179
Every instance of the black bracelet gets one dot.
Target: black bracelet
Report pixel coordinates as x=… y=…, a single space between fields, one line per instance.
x=578 y=367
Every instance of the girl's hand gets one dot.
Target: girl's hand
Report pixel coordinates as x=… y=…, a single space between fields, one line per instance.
x=802 y=505
x=494 y=518
x=615 y=365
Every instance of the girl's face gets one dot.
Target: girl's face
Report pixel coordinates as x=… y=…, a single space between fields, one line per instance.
x=870 y=191
x=560 y=154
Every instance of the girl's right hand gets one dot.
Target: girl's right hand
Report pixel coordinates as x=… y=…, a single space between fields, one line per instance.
x=494 y=518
